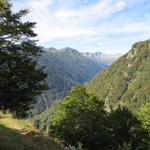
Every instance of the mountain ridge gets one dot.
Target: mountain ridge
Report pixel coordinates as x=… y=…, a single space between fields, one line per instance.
x=96 y=56
x=125 y=82
x=101 y=57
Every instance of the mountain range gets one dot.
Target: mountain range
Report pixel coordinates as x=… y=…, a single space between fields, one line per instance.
x=126 y=83
x=65 y=68
x=102 y=58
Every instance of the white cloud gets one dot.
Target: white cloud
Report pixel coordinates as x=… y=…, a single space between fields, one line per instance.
x=88 y=26
x=66 y=23
x=134 y=27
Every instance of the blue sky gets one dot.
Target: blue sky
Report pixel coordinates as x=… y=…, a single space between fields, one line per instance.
x=109 y=26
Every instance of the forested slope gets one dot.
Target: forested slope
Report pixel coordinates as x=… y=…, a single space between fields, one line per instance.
x=127 y=81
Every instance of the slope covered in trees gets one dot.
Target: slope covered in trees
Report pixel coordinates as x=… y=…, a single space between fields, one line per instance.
x=127 y=81
x=82 y=118
x=143 y=114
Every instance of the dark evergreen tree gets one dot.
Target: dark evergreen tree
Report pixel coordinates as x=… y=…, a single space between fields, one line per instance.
x=20 y=79
x=127 y=130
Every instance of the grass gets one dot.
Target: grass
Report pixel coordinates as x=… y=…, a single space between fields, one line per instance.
x=21 y=135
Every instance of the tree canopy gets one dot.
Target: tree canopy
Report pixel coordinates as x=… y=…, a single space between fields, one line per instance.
x=144 y=116
x=82 y=118
x=20 y=79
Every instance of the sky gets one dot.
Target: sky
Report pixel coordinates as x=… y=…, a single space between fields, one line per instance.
x=109 y=26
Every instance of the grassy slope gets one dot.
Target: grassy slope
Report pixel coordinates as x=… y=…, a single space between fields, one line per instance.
x=127 y=81
x=21 y=135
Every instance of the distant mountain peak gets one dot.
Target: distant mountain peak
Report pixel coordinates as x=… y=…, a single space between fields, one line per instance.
x=52 y=48
x=69 y=50
x=100 y=57
x=98 y=53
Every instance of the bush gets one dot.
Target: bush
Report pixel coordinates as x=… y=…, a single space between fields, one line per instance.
x=81 y=118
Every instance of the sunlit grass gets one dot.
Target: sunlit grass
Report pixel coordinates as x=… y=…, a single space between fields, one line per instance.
x=20 y=134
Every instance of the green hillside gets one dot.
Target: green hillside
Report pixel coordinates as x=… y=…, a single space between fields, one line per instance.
x=127 y=81
x=21 y=135
x=82 y=118
x=43 y=120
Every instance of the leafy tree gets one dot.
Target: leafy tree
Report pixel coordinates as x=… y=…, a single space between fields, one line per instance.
x=81 y=117
x=125 y=146
x=127 y=130
x=20 y=79
x=144 y=116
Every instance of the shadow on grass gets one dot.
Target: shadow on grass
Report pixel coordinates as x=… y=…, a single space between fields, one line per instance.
x=12 y=139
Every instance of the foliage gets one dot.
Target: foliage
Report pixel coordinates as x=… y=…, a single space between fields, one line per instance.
x=79 y=147
x=82 y=118
x=127 y=130
x=126 y=82
x=20 y=79
x=125 y=146
x=144 y=116
x=43 y=120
